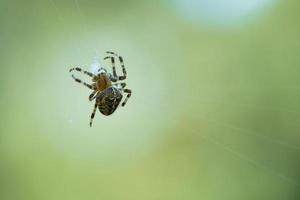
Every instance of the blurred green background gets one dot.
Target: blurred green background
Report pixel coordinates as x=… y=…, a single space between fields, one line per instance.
x=214 y=112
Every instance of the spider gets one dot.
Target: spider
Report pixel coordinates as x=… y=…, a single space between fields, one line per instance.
x=107 y=92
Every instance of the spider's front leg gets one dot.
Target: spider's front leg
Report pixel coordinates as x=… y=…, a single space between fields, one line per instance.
x=92 y=87
x=123 y=77
x=115 y=76
x=83 y=71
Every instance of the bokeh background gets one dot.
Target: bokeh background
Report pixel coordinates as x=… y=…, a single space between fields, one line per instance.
x=214 y=112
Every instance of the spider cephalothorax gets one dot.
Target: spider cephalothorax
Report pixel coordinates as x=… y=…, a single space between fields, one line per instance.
x=107 y=92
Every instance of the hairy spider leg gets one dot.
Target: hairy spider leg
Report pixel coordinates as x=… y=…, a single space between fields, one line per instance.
x=92 y=87
x=93 y=114
x=122 y=65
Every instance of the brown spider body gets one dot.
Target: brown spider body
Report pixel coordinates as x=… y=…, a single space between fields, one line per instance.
x=106 y=91
x=108 y=97
x=102 y=82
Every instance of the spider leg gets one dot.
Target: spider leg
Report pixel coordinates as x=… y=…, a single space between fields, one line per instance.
x=92 y=96
x=92 y=87
x=115 y=76
x=93 y=114
x=123 y=85
x=122 y=64
x=83 y=71
x=128 y=91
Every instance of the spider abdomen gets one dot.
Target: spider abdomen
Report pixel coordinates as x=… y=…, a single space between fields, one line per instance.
x=109 y=100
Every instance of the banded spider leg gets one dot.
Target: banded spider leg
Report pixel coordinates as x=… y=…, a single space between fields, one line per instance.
x=128 y=91
x=111 y=57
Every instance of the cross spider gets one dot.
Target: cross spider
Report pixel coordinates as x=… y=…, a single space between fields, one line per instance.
x=107 y=92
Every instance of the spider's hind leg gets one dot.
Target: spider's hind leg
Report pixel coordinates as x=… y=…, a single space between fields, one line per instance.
x=128 y=91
